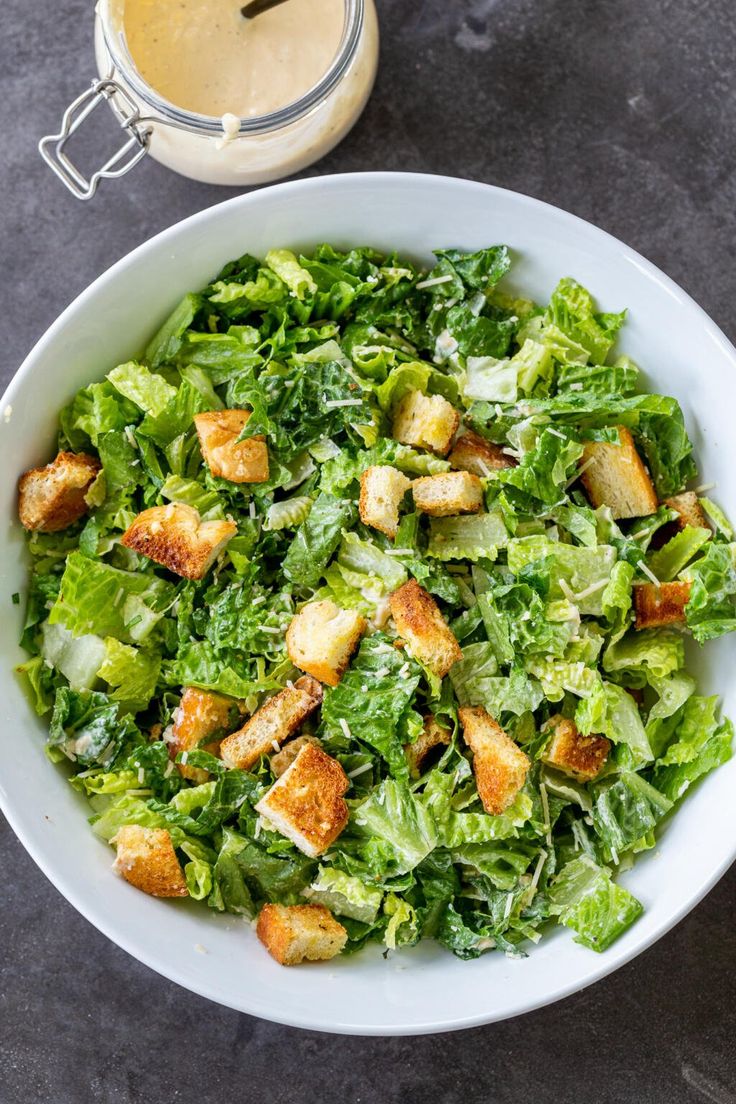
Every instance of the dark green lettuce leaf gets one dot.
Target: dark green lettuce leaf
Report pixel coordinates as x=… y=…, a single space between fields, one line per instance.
x=371 y=697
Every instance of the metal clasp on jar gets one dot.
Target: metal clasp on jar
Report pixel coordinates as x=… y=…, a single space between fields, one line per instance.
x=53 y=147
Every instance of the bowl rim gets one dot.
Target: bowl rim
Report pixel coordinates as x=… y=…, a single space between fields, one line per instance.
x=613 y=958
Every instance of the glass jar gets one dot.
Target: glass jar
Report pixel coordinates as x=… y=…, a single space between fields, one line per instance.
x=254 y=150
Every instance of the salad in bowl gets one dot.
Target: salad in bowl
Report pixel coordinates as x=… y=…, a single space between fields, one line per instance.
x=358 y=601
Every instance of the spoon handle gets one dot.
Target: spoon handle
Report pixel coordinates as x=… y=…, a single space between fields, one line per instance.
x=256 y=7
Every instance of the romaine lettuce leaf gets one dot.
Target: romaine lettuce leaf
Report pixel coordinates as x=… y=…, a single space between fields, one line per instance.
x=371 y=698
x=316 y=540
x=711 y=608
x=669 y=560
x=284 y=263
x=100 y=599
x=701 y=743
x=475 y=537
x=148 y=390
x=131 y=674
x=545 y=470
x=625 y=810
x=580 y=574
x=77 y=658
x=345 y=894
x=396 y=816
x=584 y=897
x=88 y=727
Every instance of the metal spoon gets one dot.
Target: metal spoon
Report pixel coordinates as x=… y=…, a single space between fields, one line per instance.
x=256 y=7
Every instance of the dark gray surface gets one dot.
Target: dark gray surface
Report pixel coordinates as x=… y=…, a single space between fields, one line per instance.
x=622 y=113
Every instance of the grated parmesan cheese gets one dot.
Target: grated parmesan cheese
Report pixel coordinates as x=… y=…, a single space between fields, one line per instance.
x=433 y=282
x=346 y=728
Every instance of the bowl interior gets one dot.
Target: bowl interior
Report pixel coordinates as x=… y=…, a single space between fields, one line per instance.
x=681 y=352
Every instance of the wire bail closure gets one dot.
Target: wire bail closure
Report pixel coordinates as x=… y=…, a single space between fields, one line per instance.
x=52 y=147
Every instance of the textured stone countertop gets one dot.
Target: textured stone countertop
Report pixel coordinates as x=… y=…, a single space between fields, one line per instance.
x=623 y=113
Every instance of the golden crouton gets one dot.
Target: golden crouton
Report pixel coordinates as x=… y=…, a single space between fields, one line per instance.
x=689 y=510
x=473 y=453
x=200 y=714
x=52 y=498
x=569 y=751
x=426 y=421
x=283 y=759
x=433 y=735
x=419 y=621
x=176 y=537
x=660 y=605
x=146 y=858
x=614 y=476
x=306 y=803
x=293 y=933
x=321 y=639
x=499 y=765
x=226 y=456
x=381 y=490
x=272 y=724
x=456 y=492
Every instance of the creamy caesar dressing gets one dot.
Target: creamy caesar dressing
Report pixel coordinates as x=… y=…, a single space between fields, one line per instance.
x=205 y=57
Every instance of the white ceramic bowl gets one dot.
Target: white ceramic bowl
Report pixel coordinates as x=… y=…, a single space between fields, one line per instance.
x=425 y=989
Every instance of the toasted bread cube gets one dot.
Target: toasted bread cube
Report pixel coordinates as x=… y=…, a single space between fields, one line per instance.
x=282 y=760
x=689 y=510
x=146 y=858
x=614 y=476
x=272 y=724
x=176 y=537
x=655 y=606
x=321 y=639
x=426 y=421
x=433 y=735
x=226 y=456
x=419 y=622
x=200 y=714
x=473 y=453
x=52 y=498
x=293 y=933
x=499 y=765
x=381 y=490
x=306 y=803
x=457 y=492
x=571 y=752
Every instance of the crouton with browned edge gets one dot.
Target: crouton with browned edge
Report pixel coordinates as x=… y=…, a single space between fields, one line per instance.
x=272 y=724
x=52 y=498
x=321 y=639
x=475 y=454
x=457 y=492
x=226 y=456
x=571 y=752
x=425 y=421
x=146 y=858
x=176 y=537
x=433 y=735
x=382 y=489
x=499 y=765
x=655 y=606
x=306 y=803
x=689 y=511
x=200 y=714
x=293 y=933
x=613 y=475
x=419 y=622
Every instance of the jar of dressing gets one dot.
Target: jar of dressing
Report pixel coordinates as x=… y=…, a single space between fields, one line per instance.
x=219 y=97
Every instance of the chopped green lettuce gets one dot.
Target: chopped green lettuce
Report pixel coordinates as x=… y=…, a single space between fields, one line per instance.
x=537 y=588
x=585 y=898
